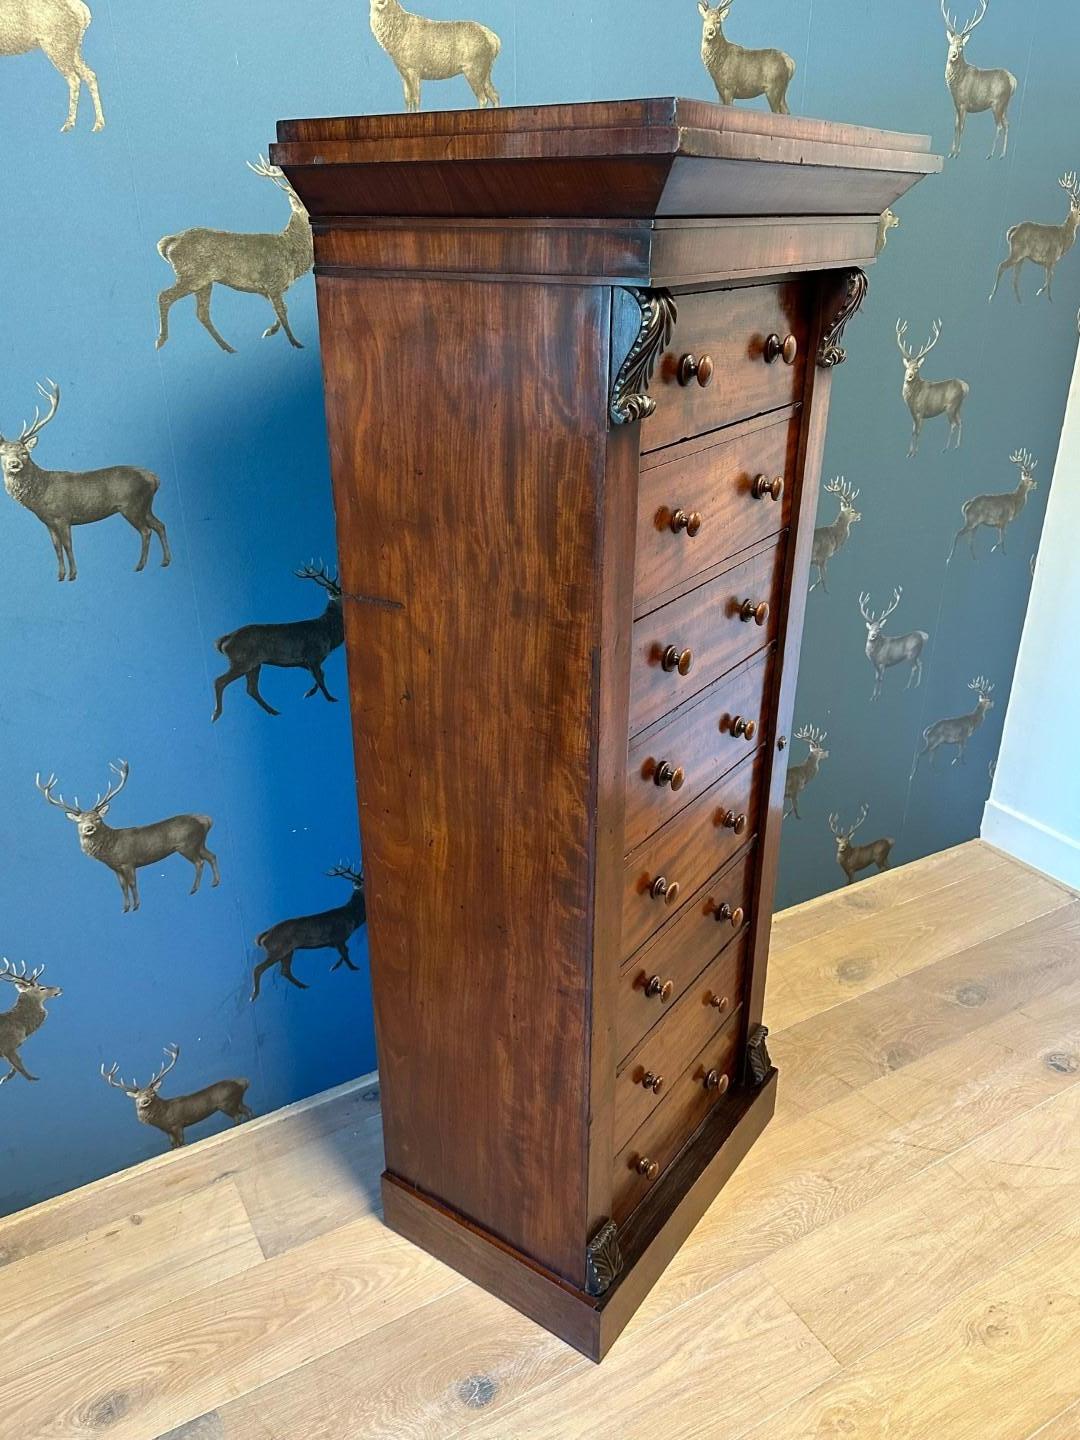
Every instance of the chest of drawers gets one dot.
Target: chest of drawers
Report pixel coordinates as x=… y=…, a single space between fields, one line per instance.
x=577 y=364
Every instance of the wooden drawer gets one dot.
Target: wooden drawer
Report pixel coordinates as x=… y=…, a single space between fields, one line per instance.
x=670 y=1046
x=697 y=740
x=709 y=497
x=680 y=952
x=688 y=850
x=710 y=622
x=673 y=1123
x=732 y=327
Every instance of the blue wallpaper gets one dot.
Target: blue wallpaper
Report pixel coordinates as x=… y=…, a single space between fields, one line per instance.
x=118 y=665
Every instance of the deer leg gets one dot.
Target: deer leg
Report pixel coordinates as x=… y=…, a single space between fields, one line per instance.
x=63 y=531
x=158 y=527
x=144 y=550
x=257 y=974
x=54 y=536
x=17 y=1067
x=176 y=1139
x=133 y=886
x=286 y=970
x=343 y=951
x=253 y=690
x=411 y=83
x=278 y=302
x=477 y=84
x=85 y=73
x=958 y=130
x=795 y=807
x=916 y=431
x=915 y=678
x=211 y=859
x=220 y=685
x=202 y=310
x=73 y=84
x=122 y=878
x=10 y=1075
x=1000 y=541
x=166 y=300
x=1005 y=265
x=197 y=862
x=320 y=684
x=242 y=1112
x=1016 y=277
x=1047 y=283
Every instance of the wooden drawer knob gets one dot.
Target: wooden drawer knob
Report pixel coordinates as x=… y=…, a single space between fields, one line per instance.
x=763 y=487
x=692 y=368
x=729 y=820
x=715 y=1081
x=668 y=774
x=675 y=659
x=777 y=349
x=664 y=889
x=663 y=988
x=742 y=728
x=690 y=521
x=758 y=613
x=652 y=1082
x=649 y=1168
x=719 y=1002
x=725 y=912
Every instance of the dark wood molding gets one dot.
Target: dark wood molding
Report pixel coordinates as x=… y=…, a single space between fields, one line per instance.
x=630 y=399
x=830 y=351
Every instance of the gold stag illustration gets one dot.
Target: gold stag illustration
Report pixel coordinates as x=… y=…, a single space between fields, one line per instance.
x=853 y=858
x=253 y=263
x=958 y=729
x=56 y=28
x=1043 y=245
x=126 y=851
x=738 y=73
x=974 y=90
x=436 y=50
x=173 y=1116
x=927 y=399
x=997 y=511
x=799 y=776
x=828 y=539
x=63 y=498
x=25 y=1016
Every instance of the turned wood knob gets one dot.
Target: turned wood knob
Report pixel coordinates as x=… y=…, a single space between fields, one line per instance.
x=719 y=1002
x=692 y=368
x=663 y=988
x=690 y=521
x=664 y=889
x=747 y=729
x=758 y=613
x=763 y=487
x=777 y=349
x=649 y=1168
x=652 y=1082
x=725 y=912
x=715 y=1081
x=675 y=659
x=667 y=774
x=729 y=820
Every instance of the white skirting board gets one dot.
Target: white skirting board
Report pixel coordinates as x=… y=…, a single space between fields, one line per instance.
x=1020 y=835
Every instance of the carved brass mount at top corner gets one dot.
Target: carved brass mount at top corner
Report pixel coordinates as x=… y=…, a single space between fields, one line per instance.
x=830 y=351
x=630 y=399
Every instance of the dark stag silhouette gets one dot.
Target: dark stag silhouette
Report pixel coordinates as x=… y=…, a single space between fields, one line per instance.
x=329 y=930
x=225 y=1097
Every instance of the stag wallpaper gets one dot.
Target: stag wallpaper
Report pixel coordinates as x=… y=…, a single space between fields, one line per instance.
x=166 y=375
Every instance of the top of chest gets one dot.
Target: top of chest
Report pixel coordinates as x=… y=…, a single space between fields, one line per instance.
x=631 y=159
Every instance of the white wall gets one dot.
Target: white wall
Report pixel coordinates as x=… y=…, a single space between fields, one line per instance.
x=1034 y=806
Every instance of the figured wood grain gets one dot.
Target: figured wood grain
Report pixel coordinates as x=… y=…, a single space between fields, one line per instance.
x=687 y=850
x=707 y=621
x=473 y=696
x=731 y=326
x=716 y=484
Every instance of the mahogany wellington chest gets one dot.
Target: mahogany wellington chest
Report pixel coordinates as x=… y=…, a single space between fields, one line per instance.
x=577 y=364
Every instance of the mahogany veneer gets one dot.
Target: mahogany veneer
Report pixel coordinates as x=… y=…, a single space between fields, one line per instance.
x=577 y=365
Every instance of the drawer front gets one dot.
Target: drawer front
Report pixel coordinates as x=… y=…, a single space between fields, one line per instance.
x=704 y=927
x=700 y=506
x=685 y=645
x=667 y=1050
x=687 y=850
x=699 y=741
x=672 y=1124
x=732 y=329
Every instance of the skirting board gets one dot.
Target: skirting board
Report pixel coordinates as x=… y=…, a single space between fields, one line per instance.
x=1037 y=845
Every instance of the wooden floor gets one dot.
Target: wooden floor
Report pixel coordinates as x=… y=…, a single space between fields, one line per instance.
x=899 y=1257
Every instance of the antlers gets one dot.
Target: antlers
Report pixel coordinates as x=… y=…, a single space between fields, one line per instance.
x=319 y=574
x=120 y=769
x=842 y=490
x=869 y=616
x=9 y=972
x=981 y=686
x=838 y=830
x=118 y=1082
x=811 y=734
x=913 y=355
x=52 y=395
x=1024 y=459
x=1070 y=184
x=263 y=168
x=963 y=32
x=342 y=871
